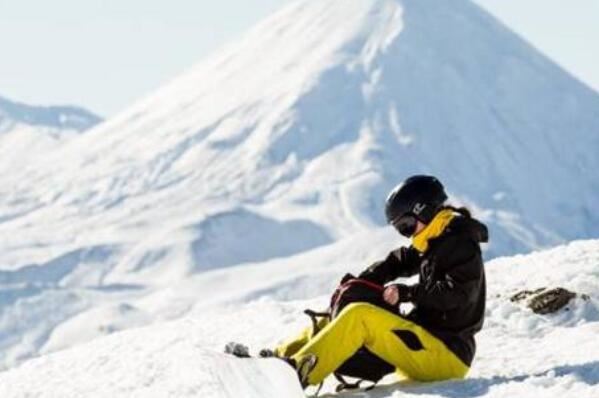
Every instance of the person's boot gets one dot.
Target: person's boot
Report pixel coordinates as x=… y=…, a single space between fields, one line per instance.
x=267 y=353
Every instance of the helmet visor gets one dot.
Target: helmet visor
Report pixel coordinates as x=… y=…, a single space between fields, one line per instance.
x=405 y=225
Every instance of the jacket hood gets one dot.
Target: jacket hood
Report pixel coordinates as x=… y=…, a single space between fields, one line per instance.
x=470 y=227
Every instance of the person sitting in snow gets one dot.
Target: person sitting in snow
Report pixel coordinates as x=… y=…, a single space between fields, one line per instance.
x=435 y=341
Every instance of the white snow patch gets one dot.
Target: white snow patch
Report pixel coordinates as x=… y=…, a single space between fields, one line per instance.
x=519 y=353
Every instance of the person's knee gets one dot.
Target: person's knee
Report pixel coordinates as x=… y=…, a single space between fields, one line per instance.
x=372 y=315
x=359 y=310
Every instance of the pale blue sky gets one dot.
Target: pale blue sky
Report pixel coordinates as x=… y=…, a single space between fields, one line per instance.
x=104 y=54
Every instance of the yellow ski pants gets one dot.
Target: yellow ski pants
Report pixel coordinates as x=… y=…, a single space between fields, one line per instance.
x=425 y=358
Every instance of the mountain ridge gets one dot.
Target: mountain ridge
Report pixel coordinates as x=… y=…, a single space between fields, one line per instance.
x=57 y=116
x=269 y=135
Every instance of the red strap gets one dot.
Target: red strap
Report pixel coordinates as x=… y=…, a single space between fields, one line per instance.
x=341 y=289
x=373 y=285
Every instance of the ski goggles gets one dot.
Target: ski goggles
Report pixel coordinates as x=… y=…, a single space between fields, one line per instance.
x=405 y=225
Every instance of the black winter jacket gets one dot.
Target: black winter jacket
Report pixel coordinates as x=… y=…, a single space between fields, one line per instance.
x=449 y=299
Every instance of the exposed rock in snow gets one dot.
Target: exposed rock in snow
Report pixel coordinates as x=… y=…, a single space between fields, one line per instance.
x=547 y=301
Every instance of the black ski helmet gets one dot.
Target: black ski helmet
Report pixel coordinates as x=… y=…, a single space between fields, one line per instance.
x=419 y=196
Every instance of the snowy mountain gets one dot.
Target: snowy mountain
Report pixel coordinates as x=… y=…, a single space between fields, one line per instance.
x=280 y=149
x=13 y=114
x=28 y=132
x=519 y=353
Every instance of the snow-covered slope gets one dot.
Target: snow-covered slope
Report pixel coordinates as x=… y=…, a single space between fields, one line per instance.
x=161 y=367
x=283 y=145
x=28 y=132
x=519 y=353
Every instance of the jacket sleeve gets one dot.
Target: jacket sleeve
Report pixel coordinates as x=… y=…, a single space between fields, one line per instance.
x=403 y=262
x=457 y=286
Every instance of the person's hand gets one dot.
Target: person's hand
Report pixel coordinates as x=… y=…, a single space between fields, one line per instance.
x=391 y=295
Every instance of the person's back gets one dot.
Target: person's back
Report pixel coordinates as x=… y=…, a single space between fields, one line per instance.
x=455 y=256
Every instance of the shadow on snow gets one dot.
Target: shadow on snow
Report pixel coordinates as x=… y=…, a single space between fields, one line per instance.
x=587 y=373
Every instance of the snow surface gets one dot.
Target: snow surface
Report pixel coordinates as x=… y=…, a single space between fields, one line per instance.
x=29 y=132
x=277 y=153
x=519 y=353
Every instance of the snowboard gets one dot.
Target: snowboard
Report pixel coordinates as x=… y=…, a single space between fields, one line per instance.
x=259 y=377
